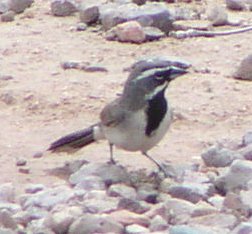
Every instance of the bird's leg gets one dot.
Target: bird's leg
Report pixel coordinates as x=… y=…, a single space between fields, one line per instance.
x=111 y=153
x=158 y=165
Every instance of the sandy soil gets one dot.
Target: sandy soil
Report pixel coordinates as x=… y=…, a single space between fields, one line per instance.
x=47 y=101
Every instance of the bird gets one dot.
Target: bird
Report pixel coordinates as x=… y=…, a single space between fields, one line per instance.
x=137 y=120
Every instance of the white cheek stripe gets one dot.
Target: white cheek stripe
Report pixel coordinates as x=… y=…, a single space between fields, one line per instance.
x=156 y=91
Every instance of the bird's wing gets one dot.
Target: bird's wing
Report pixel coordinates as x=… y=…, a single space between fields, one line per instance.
x=112 y=114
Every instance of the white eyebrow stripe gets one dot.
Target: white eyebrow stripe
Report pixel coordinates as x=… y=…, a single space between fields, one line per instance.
x=150 y=72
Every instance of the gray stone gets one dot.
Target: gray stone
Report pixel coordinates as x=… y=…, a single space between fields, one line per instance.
x=89 y=14
x=184 y=13
x=11 y=207
x=244 y=71
x=243 y=228
x=204 y=208
x=216 y=201
x=147 y=193
x=60 y=221
x=21 y=162
x=180 y=210
x=183 y=25
x=191 y=191
x=8 y=98
x=216 y=156
x=6 y=231
x=38 y=154
x=48 y=198
x=4 y=6
x=34 y=188
x=37 y=227
x=105 y=205
x=246 y=152
x=151 y=14
x=109 y=173
x=122 y=190
x=19 y=6
x=91 y=183
x=236 y=178
x=7 y=192
x=63 y=7
x=217 y=15
x=158 y=223
x=153 y=34
x=24 y=170
x=135 y=229
x=133 y=205
x=8 y=16
x=247 y=138
x=219 y=220
x=183 y=229
x=95 y=224
x=237 y=5
x=6 y=220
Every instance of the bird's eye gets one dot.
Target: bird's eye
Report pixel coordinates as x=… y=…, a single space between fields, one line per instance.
x=159 y=78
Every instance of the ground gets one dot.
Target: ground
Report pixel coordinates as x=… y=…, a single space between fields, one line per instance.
x=45 y=102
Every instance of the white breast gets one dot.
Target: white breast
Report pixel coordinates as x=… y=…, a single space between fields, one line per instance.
x=130 y=135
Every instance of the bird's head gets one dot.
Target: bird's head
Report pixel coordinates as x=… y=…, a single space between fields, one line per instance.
x=145 y=84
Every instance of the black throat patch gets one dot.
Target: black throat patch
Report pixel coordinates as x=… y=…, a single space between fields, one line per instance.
x=156 y=110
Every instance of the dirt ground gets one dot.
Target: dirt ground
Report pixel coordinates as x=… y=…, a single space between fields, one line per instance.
x=46 y=102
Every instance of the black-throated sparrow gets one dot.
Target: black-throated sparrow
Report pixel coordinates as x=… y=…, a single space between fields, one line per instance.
x=137 y=120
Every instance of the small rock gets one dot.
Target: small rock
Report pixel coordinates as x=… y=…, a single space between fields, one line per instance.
x=217 y=220
x=122 y=190
x=135 y=229
x=8 y=16
x=246 y=152
x=133 y=205
x=19 y=6
x=6 y=77
x=243 y=228
x=183 y=229
x=191 y=191
x=217 y=201
x=153 y=34
x=89 y=14
x=247 y=138
x=244 y=71
x=8 y=98
x=109 y=173
x=191 y=24
x=216 y=156
x=24 y=170
x=7 y=192
x=4 y=6
x=21 y=162
x=130 y=31
x=81 y=27
x=91 y=183
x=63 y=7
x=203 y=208
x=158 y=224
x=126 y=217
x=70 y=65
x=217 y=15
x=147 y=193
x=37 y=155
x=95 y=68
x=6 y=220
x=60 y=221
x=106 y=205
x=95 y=224
x=6 y=231
x=236 y=178
x=34 y=188
x=237 y=5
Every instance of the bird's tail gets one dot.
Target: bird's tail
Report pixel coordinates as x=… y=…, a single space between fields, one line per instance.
x=76 y=140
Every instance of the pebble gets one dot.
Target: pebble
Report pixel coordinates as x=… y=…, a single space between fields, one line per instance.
x=6 y=220
x=247 y=138
x=244 y=71
x=63 y=7
x=37 y=155
x=122 y=190
x=18 y=6
x=217 y=15
x=24 y=170
x=147 y=193
x=237 y=5
x=243 y=228
x=7 y=192
x=95 y=224
x=217 y=156
x=158 y=223
x=91 y=183
x=236 y=178
x=34 y=188
x=133 y=205
x=89 y=14
x=8 y=17
x=21 y=162
x=135 y=229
